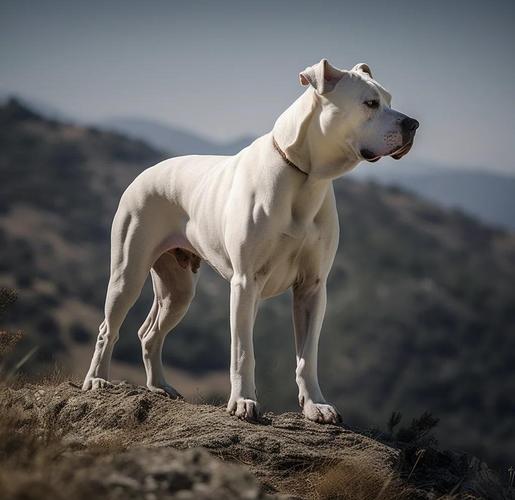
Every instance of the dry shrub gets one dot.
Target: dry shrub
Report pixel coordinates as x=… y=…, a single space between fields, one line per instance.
x=26 y=452
x=35 y=459
x=8 y=297
x=8 y=341
x=355 y=479
x=21 y=438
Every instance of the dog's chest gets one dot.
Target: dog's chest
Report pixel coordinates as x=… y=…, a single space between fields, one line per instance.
x=291 y=255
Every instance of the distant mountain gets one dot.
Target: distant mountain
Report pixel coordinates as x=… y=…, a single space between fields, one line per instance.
x=41 y=107
x=420 y=303
x=489 y=196
x=169 y=138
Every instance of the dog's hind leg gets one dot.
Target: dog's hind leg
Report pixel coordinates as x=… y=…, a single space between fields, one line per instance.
x=174 y=281
x=132 y=247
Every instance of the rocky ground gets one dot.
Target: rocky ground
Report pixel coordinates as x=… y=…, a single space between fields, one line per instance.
x=125 y=442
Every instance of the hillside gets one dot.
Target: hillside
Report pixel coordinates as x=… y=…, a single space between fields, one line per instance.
x=420 y=314
x=124 y=443
x=168 y=138
x=486 y=195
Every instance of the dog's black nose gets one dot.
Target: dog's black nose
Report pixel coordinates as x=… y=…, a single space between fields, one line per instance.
x=409 y=124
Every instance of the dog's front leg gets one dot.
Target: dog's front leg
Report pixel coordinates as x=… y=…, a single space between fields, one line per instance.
x=244 y=296
x=309 y=303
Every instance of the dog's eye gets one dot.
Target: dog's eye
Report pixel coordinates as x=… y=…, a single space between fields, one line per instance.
x=372 y=103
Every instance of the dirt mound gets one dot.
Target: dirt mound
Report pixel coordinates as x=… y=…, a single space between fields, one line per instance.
x=140 y=434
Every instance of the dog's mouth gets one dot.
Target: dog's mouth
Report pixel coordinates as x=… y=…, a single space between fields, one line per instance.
x=404 y=150
x=396 y=155
x=369 y=156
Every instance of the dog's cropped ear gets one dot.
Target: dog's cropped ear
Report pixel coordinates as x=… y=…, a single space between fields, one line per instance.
x=363 y=68
x=322 y=76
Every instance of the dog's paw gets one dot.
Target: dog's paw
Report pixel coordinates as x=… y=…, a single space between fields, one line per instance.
x=321 y=412
x=246 y=409
x=165 y=389
x=93 y=383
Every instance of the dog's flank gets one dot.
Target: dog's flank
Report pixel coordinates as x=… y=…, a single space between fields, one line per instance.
x=265 y=219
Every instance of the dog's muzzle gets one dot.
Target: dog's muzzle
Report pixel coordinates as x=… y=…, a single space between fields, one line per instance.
x=408 y=129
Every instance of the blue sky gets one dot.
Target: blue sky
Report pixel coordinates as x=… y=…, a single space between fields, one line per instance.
x=226 y=69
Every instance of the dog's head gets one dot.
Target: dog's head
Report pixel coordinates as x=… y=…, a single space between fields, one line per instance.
x=356 y=112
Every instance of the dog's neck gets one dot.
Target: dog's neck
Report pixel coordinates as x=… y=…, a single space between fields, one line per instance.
x=285 y=158
x=307 y=192
x=299 y=136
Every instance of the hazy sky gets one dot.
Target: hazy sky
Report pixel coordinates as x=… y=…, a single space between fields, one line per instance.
x=230 y=68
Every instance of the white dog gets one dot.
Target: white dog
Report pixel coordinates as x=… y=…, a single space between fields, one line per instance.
x=265 y=219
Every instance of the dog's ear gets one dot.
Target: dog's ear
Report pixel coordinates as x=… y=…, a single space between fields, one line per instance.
x=363 y=68
x=322 y=76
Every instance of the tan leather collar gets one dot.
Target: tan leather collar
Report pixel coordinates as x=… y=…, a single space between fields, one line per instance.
x=283 y=156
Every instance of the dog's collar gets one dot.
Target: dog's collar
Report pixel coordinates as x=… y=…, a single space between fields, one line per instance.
x=283 y=156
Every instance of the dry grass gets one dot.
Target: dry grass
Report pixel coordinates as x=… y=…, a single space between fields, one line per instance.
x=38 y=463
x=28 y=454
x=354 y=479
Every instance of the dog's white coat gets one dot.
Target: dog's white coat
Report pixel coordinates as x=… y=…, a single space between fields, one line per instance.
x=262 y=224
